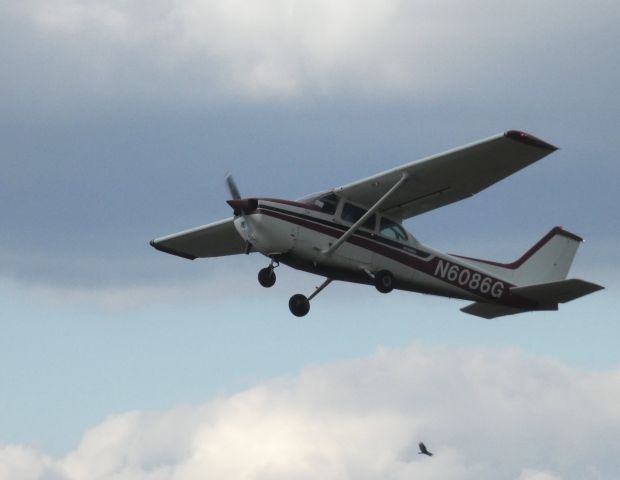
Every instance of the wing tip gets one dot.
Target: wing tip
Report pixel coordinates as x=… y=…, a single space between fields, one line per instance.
x=171 y=251
x=528 y=139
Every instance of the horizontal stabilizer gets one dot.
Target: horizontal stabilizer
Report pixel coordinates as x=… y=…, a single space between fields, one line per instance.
x=491 y=310
x=556 y=292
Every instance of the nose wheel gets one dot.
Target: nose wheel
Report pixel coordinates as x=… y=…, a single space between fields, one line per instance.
x=299 y=304
x=266 y=276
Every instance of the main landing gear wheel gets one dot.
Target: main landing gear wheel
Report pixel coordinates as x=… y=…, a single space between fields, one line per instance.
x=267 y=277
x=299 y=305
x=384 y=281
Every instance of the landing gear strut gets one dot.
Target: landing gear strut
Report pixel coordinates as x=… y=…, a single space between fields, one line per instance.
x=299 y=304
x=266 y=276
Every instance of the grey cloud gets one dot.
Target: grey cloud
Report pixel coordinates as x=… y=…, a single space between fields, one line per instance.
x=79 y=205
x=119 y=121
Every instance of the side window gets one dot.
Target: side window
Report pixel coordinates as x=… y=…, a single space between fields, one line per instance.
x=392 y=230
x=351 y=214
x=327 y=204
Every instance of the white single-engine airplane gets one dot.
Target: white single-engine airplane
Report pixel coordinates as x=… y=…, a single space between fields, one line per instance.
x=354 y=233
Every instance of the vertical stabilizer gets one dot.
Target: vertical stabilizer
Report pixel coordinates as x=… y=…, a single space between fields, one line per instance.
x=547 y=261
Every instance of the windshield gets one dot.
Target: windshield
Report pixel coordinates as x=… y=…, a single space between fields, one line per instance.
x=327 y=204
x=393 y=230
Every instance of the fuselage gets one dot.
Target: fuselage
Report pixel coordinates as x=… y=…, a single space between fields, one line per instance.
x=354 y=233
x=299 y=233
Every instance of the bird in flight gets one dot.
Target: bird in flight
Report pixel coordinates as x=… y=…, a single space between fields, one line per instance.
x=424 y=450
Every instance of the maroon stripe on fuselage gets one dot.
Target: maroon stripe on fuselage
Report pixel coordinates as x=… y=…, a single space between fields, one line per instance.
x=307 y=206
x=332 y=232
x=428 y=267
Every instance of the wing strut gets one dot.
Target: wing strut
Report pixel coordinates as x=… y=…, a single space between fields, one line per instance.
x=366 y=216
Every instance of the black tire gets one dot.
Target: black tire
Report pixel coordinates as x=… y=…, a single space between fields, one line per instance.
x=267 y=277
x=299 y=305
x=384 y=281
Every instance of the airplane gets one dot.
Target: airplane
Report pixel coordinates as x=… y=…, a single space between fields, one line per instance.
x=355 y=233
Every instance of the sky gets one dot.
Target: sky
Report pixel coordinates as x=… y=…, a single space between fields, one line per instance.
x=119 y=121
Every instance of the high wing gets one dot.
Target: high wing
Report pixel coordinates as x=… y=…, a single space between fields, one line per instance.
x=213 y=240
x=450 y=176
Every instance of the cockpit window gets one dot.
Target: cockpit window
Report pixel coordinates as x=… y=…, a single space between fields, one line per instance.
x=351 y=214
x=327 y=204
x=390 y=229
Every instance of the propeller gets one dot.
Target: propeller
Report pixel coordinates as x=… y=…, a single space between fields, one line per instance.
x=239 y=205
x=232 y=187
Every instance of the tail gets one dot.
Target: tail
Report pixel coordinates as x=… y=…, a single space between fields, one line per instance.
x=539 y=276
x=547 y=261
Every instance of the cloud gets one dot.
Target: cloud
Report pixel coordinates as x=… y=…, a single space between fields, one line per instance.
x=121 y=117
x=200 y=51
x=485 y=413
x=528 y=474
x=277 y=50
x=220 y=286
x=21 y=462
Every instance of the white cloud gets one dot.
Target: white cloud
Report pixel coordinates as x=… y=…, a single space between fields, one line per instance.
x=485 y=414
x=262 y=49
x=285 y=48
x=277 y=49
x=21 y=462
x=528 y=474
x=73 y=16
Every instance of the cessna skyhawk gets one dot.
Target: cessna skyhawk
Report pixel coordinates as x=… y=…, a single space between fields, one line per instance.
x=354 y=233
